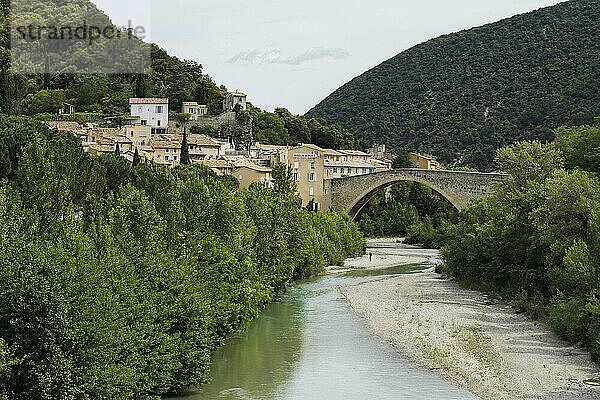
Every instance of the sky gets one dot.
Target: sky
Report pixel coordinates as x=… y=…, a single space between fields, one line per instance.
x=293 y=54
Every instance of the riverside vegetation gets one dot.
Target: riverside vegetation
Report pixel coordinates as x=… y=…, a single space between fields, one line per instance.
x=118 y=281
x=536 y=242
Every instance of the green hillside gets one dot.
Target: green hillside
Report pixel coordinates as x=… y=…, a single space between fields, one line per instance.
x=464 y=95
x=106 y=94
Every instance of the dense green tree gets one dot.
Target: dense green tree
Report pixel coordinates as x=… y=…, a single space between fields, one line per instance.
x=297 y=126
x=283 y=179
x=535 y=241
x=402 y=160
x=580 y=146
x=269 y=128
x=406 y=208
x=47 y=101
x=120 y=281
x=207 y=130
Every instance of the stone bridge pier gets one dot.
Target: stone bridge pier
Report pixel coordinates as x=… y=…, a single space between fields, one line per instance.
x=351 y=194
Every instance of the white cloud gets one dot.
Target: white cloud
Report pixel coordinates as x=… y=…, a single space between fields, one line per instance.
x=277 y=57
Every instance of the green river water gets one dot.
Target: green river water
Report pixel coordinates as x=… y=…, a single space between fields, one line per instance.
x=312 y=346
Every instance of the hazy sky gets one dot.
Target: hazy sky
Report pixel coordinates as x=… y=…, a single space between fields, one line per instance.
x=293 y=54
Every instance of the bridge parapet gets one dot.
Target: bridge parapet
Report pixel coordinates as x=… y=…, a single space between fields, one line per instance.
x=351 y=194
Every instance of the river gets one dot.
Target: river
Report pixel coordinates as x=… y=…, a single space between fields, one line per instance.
x=313 y=346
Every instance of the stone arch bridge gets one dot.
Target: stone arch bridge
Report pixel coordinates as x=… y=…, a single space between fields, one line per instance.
x=351 y=194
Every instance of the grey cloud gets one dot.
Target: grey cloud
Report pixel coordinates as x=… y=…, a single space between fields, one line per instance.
x=277 y=57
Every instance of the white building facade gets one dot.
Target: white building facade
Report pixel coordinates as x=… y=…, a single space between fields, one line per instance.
x=152 y=112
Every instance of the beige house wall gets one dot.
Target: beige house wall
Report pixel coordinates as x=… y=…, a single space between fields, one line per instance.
x=167 y=155
x=248 y=175
x=423 y=162
x=140 y=135
x=308 y=165
x=194 y=109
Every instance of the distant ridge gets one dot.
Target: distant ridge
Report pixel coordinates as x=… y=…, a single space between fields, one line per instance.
x=462 y=96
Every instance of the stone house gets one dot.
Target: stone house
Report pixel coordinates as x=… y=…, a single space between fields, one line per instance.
x=233 y=99
x=194 y=109
x=202 y=146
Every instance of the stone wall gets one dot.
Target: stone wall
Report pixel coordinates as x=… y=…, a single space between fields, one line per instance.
x=216 y=122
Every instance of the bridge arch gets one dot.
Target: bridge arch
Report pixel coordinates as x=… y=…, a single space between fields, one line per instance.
x=351 y=194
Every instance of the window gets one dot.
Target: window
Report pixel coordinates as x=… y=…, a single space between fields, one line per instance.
x=296 y=177
x=311 y=191
x=140 y=109
x=296 y=165
x=342 y=170
x=349 y=171
x=167 y=150
x=312 y=177
x=312 y=165
x=158 y=122
x=166 y=158
x=174 y=158
x=191 y=111
x=335 y=170
x=144 y=122
x=159 y=109
x=143 y=134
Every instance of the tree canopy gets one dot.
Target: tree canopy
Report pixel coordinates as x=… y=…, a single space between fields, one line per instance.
x=119 y=280
x=535 y=241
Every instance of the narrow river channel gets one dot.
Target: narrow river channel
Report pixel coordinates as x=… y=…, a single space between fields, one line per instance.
x=312 y=346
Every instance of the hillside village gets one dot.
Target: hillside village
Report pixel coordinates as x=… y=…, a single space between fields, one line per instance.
x=157 y=138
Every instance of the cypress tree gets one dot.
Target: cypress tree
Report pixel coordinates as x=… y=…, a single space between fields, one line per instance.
x=185 y=152
x=117 y=150
x=136 y=158
x=140 y=86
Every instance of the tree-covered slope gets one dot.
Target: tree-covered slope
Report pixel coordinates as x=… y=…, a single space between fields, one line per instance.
x=463 y=95
x=168 y=76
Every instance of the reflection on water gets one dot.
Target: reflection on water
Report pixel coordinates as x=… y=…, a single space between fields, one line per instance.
x=401 y=269
x=312 y=346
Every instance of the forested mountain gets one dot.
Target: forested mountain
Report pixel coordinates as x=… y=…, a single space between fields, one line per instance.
x=464 y=95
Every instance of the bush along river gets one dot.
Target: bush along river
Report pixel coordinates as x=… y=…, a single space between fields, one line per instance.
x=313 y=346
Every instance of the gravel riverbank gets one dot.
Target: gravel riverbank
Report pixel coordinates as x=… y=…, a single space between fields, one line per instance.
x=465 y=336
